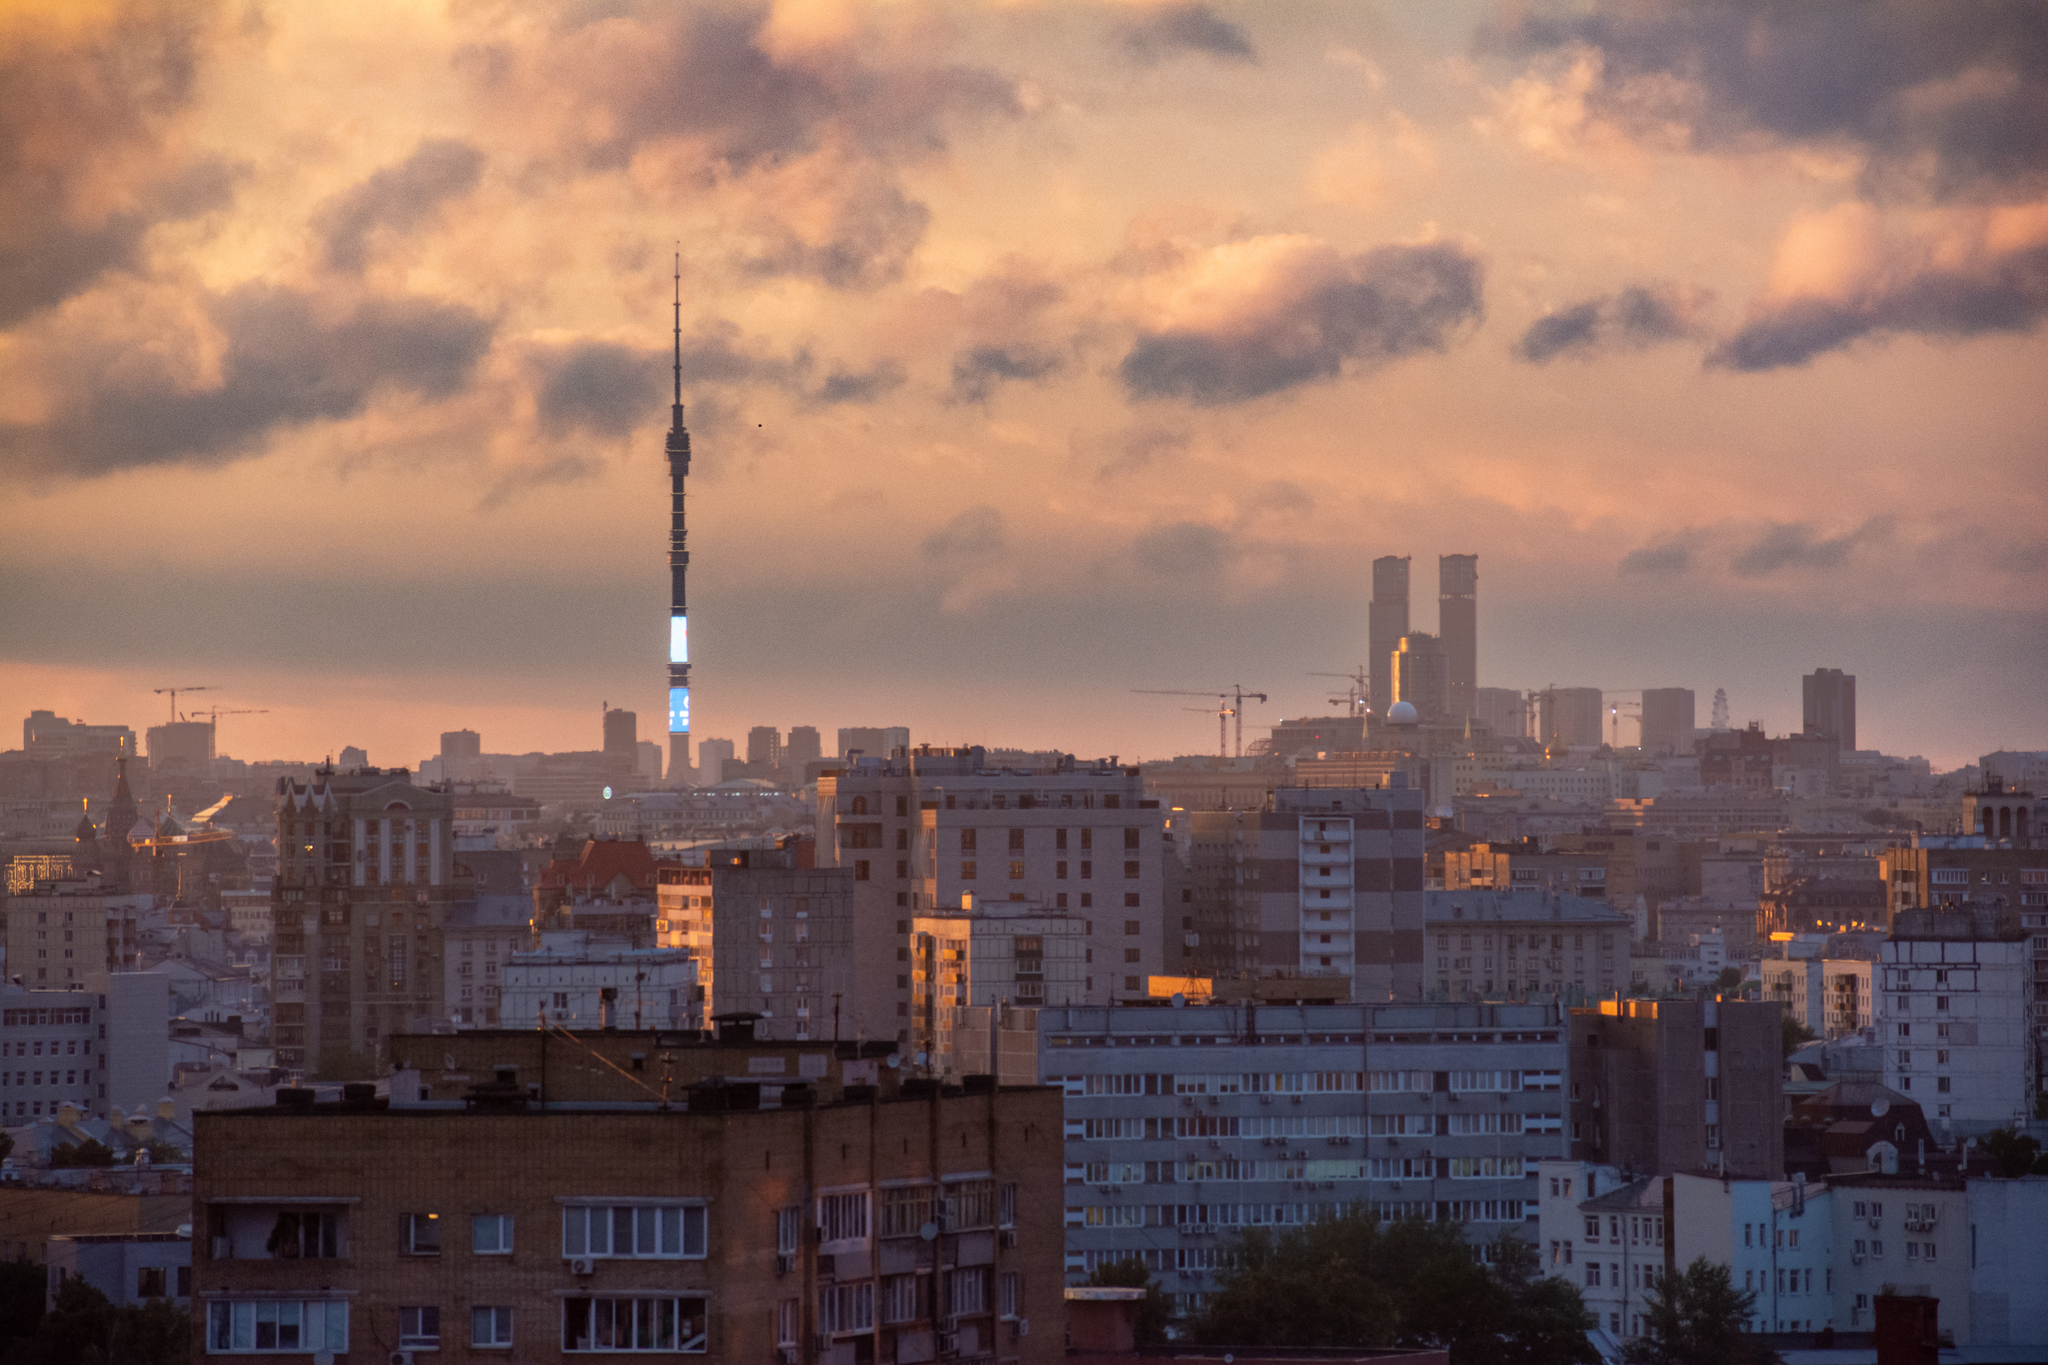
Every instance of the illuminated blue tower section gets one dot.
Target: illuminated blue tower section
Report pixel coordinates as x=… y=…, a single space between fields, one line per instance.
x=678 y=566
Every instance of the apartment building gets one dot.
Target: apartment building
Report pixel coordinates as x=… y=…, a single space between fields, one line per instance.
x=1955 y=1013
x=593 y=985
x=1185 y=1126
x=490 y=1228
x=59 y=934
x=1493 y=945
x=1326 y=882
x=1831 y=996
x=361 y=898
x=963 y=966
x=1661 y=1086
x=939 y=830
x=787 y=947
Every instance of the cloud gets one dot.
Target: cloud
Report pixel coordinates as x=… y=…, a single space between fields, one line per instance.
x=1131 y=451
x=859 y=386
x=397 y=198
x=1185 y=549
x=974 y=533
x=87 y=164
x=598 y=386
x=1174 y=29
x=976 y=372
x=1941 y=99
x=1671 y=559
x=284 y=362
x=1795 y=545
x=1636 y=317
x=849 y=226
x=1300 y=313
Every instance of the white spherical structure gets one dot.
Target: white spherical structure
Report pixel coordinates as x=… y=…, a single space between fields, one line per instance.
x=1401 y=713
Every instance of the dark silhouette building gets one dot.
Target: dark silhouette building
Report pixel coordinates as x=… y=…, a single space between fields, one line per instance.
x=1829 y=695
x=1387 y=622
x=1457 y=625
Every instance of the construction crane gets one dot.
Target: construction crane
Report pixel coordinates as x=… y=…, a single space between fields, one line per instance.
x=174 y=691
x=1614 y=711
x=1229 y=704
x=213 y=714
x=1360 y=700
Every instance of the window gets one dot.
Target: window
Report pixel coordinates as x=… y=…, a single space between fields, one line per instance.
x=305 y=1325
x=967 y=1291
x=789 y=1229
x=673 y=1231
x=1016 y=841
x=490 y=1234
x=1016 y=869
x=151 y=1282
x=1006 y=1206
x=1010 y=1295
x=304 y=1235
x=843 y=1217
x=634 y=1324
x=899 y=1298
x=786 y=1322
x=423 y=1234
x=490 y=1326
x=905 y=1210
x=419 y=1327
x=970 y=1204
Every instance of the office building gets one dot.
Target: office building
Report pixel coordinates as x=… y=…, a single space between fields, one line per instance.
x=361 y=897
x=1667 y=724
x=764 y=748
x=1186 y=1126
x=1495 y=945
x=1955 y=1014
x=804 y=745
x=1328 y=882
x=1502 y=710
x=923 y=832
x=1422 y=678
x=462 y=756
x=48 y=732
x=1661 y=1086
x=713 y=756
x=1829 y=705
x=186 y=742
x=1386 y=623
x=1457 y=626
x=786 y=947
x=622 y=735
x=743 y=1221
x=1570 y=717
x=1318 y=734
x=874 y=741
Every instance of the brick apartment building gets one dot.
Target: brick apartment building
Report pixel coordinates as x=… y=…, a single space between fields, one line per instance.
x=755 y=1223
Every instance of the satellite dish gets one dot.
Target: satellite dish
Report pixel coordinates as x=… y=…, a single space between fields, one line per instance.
x=607 y=793
x=929 y=1231
x=1179 y=1000
x=1879 y=1107
x=448 y=1060
x=923 y=1058
x=895 y=1060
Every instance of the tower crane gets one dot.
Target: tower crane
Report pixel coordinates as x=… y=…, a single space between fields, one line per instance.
x=213 y=715
x=1230 y=703
x=1360 y=700
x=174 y=691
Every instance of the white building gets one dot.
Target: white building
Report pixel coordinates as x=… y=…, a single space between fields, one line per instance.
x=586 y=987
x=1014 y=955
x=1955 y=1012
x=1831 y=996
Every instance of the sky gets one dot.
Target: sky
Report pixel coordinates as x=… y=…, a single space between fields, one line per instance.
x=1033 y=353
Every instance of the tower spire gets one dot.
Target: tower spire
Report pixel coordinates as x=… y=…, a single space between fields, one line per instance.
x=679 y=339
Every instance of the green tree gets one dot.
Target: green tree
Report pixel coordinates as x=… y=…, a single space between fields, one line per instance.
x=22 y=1291
x=162 y=1153
x=1793 y=1035
x=1696 y=1318
x=1154 y=1312
x=85 y=1329
x=2016 y=1153
x=1730 y=979
x=86 y=1153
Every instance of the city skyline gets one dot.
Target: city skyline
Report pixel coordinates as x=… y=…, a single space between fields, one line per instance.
x=1032 y=355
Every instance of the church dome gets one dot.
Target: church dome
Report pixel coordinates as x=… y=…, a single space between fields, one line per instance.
x=1401 y=713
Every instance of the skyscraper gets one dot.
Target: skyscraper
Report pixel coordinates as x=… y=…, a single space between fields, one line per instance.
x=1830 y=705
x=621 y=733
x=764 y=747
x=1386 y=623
x=1421 y=677
x=803 y=745
x=1667 y=720
x=1458 y=627
x=678 y=563
x=1570 y=717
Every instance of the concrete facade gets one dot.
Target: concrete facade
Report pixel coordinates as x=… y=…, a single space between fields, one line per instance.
x=786 y=946
x=1956 y=1016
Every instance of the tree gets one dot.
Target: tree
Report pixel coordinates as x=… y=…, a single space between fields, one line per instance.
x=22 y=1291
x=1793 y=1035
x=1730 y=979
x=86 y=1153
x=1697 y=1318
x=85 y=1329
x=1154 y=1311
x=2015 y=1152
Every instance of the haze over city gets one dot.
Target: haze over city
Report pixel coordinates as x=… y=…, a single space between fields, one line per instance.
x=1032 y=354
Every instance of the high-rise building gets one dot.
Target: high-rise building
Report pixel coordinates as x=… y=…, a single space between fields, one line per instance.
x=1457 y=625
x=365 y=876
x=462 y=755
x=1570 y=717
x=874 y=741
x=764 y=747
x=803 y=745
x=1955 y=1016
x=47 y=732
x=712 y=757
x=1422 y=677
x=1667 y=720
x=1503 y=710
x=621 y=733
x=1829 y=695
x=181 y=741
x=1386 y=623
x=678 y=447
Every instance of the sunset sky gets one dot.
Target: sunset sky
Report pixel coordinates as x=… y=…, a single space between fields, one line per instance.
x=1033 y=353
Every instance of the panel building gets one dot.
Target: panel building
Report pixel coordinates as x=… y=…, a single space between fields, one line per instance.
x=1955 y=1015
x=1458 y=626
x=1828 y=697
x=784 y=947
x=1667 y=722
x=363 y=889
x=1570 y=717
x=1187 y=1126
x=1386 y=623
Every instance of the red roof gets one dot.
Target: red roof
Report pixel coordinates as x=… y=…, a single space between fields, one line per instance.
x=603 y=862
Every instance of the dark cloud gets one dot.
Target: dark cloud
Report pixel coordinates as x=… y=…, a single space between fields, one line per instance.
x=1373 y=308
x=90 y=111
x=874 y=230
x=1137 y=449
x=397 y=197
x=600 y=387
x=978 y=371
x=1952 y=99
x=859 y=386
x=1638 y=316
x=700 y=72
x=1173 y=29
x=1795 y=545
x=285 y=363
x=974 y=533
x=1185 y=549
x=2007 y=293
x=1669 y=560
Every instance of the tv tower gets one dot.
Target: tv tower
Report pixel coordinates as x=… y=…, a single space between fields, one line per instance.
x=678 y=565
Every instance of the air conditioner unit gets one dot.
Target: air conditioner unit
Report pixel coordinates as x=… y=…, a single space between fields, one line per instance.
x=1214 y=1144
x=1297 y=1099
x=401 y=1358
x=822 y=1340
x=1876 y=1223
x=1856 y=1258
x=1021 y=1328
x=786 y=1355
x=1215 y=1099
x=784 y=1263
x=1010 y=1238
x=1932 y=1216
x=582 y=1265
x=949 y=1343
x=1265 y=1099
x=1344 y=1141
